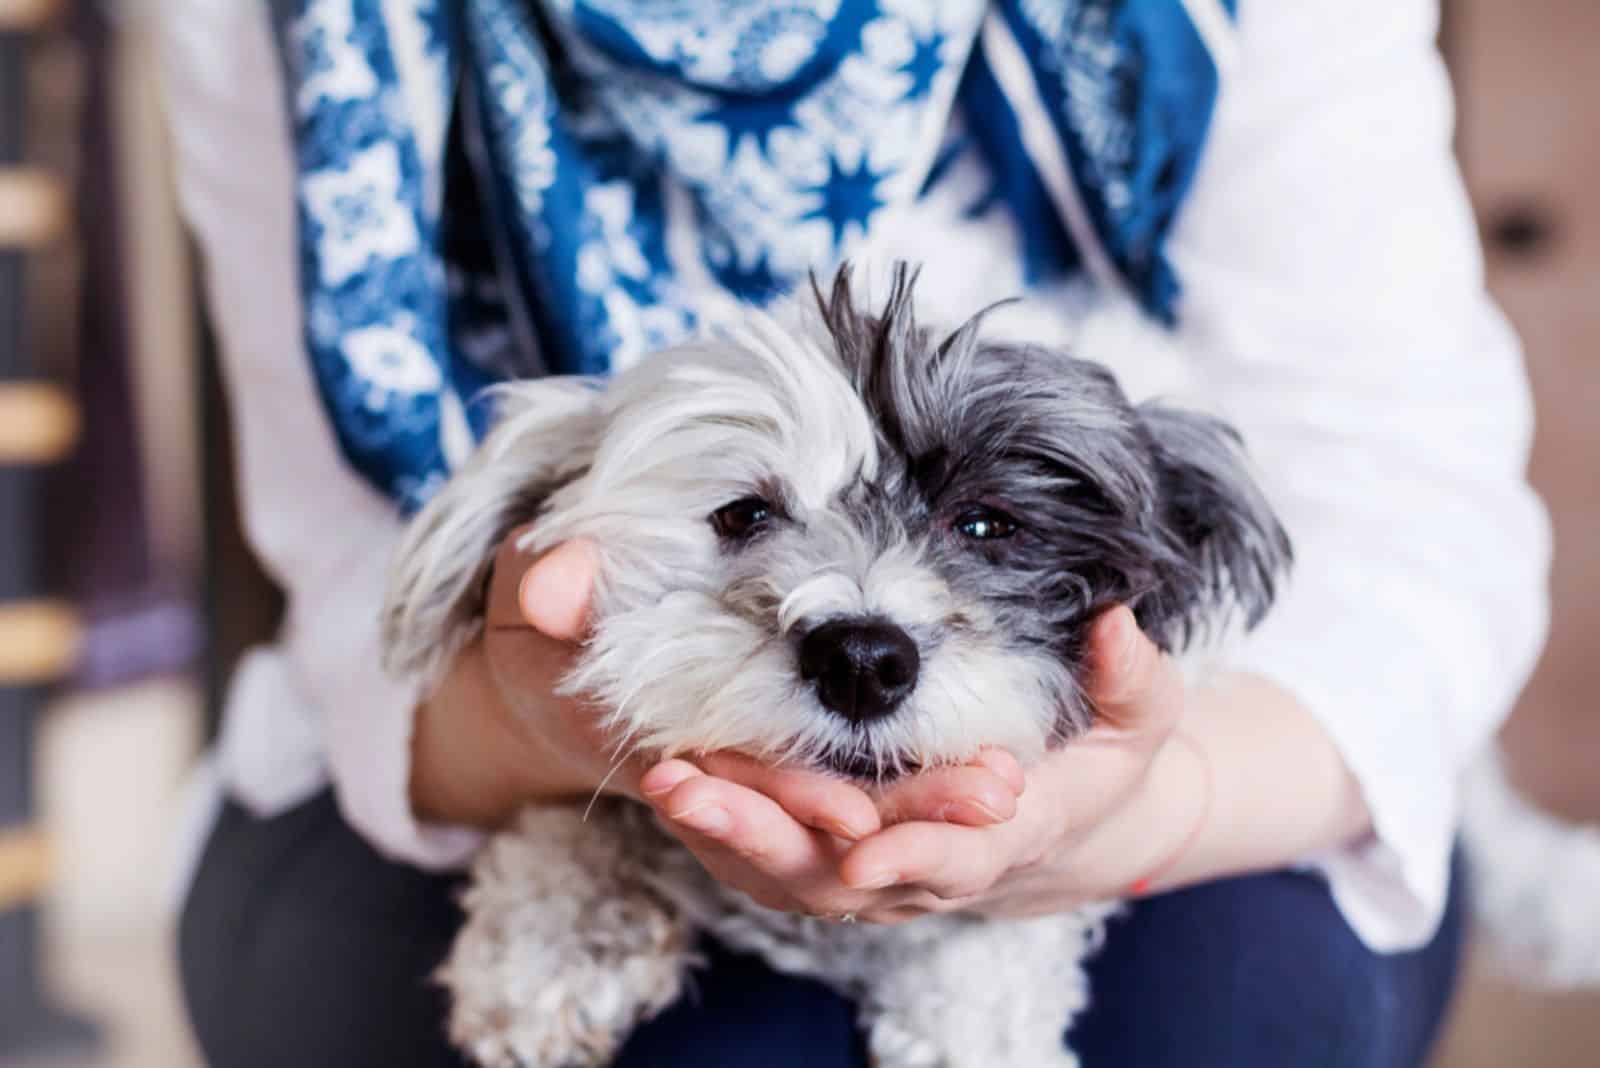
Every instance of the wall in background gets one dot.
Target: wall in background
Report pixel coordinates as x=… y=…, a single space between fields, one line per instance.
x=1529 y=100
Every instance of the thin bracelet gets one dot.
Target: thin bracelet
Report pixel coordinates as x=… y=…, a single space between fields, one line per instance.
x=1142 y=885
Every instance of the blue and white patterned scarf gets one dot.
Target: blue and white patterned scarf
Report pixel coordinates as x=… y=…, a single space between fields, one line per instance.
x=491 y=188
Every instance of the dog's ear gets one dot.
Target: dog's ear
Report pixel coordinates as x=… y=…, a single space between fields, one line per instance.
x=544 y=435
x=1229 y=552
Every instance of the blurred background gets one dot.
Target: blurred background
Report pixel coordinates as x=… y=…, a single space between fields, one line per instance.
x=126 y=592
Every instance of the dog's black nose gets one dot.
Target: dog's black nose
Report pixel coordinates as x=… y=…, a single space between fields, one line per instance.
x=862 y=668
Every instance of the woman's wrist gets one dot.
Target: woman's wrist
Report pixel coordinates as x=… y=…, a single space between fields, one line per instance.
x=1179 y=797
x=1282 y=789
x=1248 y=782
x=472 y=761
x=1139 y=847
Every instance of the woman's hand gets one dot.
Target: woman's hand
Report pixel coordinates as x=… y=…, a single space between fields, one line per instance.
x=1098 y=817
x=780 y=835
x=1083 y=824
x=495 y=735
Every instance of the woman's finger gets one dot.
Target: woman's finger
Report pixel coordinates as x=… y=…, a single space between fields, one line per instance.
x=725 y=866
x=944 y=860
x=819 y=801
x=657 y=782
x=1006 y=766
x=1134 y=686
x=746 y=823
x=972 y=795
x=555 y=593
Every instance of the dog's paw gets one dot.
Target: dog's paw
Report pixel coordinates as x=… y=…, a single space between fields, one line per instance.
x=557 y=999
x=560 y=956
x=517 y=1011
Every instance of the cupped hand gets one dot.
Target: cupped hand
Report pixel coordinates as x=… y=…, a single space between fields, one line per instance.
x=777 y=833
x=781 y=834
x=1098 y=818
x=1080 y=825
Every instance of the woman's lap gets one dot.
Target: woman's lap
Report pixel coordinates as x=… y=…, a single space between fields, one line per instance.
x=300 y=945
x=1258 y=972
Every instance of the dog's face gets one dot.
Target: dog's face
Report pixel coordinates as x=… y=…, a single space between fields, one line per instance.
x=855 y=543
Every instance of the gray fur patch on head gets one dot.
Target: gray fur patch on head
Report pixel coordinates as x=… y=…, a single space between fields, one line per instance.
x=989 y=499
x=1144 y=505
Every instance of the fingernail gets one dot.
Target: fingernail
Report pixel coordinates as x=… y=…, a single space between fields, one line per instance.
x=707 y=819
x=1006 y=766
x=984 y=810
x=875 y=881
x=840 y=829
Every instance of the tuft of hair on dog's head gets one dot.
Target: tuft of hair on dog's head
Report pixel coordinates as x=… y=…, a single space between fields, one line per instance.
x=776 y=506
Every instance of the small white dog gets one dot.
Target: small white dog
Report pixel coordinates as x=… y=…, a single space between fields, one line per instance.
x=847 y=542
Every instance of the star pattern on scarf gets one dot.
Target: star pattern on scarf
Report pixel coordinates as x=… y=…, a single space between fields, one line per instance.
x=757 y=282
x=924 y=66
x=847 y=197
x=756 y=118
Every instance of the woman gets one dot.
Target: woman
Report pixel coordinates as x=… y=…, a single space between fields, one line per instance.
x=500 y=188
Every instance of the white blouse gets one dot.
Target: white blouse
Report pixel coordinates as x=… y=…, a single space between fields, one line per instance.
x=1333 y=309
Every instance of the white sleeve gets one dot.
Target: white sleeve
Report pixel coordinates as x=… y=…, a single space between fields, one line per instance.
x=1333 y=283
x=321 y=531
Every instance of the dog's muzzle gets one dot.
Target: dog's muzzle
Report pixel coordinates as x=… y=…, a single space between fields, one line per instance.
x=862 y=668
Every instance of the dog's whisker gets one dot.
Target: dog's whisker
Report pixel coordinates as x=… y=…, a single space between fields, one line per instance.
x=605 y=781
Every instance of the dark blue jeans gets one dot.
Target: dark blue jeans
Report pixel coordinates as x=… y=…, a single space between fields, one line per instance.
x=1256 y=972
x=301 y=946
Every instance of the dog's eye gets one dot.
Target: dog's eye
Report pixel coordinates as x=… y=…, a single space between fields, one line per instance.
x=985 y=524
x=741 y=519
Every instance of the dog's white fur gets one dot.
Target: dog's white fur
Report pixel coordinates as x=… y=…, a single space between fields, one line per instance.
x=579 y=927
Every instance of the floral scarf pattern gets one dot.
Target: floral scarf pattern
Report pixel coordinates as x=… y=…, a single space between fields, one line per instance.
x=496 y=188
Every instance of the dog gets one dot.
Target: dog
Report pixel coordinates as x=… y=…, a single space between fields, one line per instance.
x=835 y=538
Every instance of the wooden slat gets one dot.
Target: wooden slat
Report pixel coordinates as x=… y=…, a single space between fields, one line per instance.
x=38 y=423
x=27 y=14
x=25 y=866
x=33 y=207
x=38 y=642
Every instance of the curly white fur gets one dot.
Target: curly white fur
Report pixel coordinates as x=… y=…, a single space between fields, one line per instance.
x=576 y=930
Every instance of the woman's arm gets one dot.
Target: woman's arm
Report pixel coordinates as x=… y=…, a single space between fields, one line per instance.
x=1334 y=297
x=1272 y=785
x=314 y=708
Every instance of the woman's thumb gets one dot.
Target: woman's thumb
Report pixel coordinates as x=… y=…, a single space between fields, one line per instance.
x=556 y=591
x=1132 y=682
